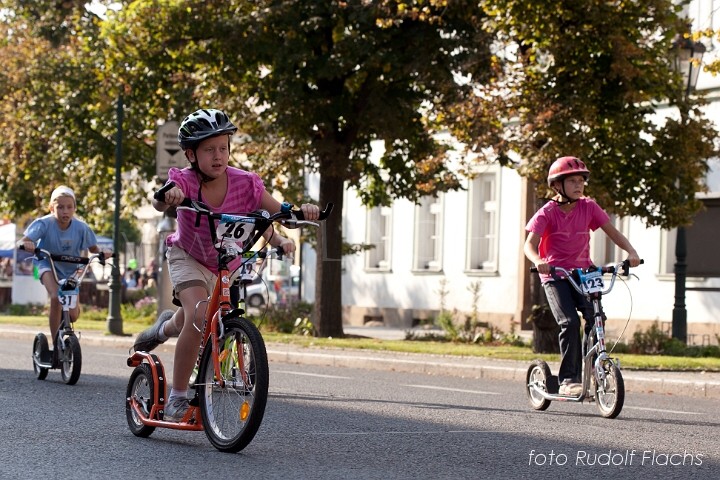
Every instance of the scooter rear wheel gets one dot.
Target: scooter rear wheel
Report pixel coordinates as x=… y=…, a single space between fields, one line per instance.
x=538 y=375
x=140 y=390
x=40 y=353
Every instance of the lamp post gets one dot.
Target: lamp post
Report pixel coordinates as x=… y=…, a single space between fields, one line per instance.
x=687 y=58
x=114 y=319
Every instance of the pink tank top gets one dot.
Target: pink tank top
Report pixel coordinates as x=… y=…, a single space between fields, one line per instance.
x=245 y=190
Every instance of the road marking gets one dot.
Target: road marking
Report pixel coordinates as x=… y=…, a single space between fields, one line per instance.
x=432 y=387
x=660 y=410
x=400 y=432
x=289 y=372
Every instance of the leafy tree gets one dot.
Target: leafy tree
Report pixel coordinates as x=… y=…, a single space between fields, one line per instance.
x=59 y=123
x=313 y=83
x=585 y=78
x=338 y=75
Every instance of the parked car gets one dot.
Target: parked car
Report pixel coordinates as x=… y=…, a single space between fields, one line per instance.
x=285 y=289
x=257 y=293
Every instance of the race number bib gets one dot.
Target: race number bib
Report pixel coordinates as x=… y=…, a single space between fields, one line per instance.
x=246 y=270
x=237 y=232
x=68 y=298
x=592 y=282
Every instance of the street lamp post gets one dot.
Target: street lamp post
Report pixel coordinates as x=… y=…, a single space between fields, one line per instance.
x=114 y=319
x=687 y=58
x=679 y=314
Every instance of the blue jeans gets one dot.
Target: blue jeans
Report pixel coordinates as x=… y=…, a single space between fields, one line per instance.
x=565 y=302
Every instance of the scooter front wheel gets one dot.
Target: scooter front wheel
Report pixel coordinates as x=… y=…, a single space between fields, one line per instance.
x=610 y=393
x=70 y=360
x=538 y=375
x=233 y=403
x=41 y=354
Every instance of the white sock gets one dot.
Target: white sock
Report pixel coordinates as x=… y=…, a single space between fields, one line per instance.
x=161 y=333
x=175 y=394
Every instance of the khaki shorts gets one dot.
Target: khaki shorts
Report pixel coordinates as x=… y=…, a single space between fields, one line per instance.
x=186 y=272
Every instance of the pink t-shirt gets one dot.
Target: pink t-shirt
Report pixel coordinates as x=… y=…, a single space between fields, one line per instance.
x=565 y=237
x=244 y=193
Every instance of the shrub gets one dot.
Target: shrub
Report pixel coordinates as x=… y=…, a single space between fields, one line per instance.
x=94 y=314
x=143 y=311
x=656 y=342
x=468 y=331
x=134 y=295
x=282 y=319
x=303 y=326
x=617 y=348
x=649 y=342
x=444 y=320
x=33 y=309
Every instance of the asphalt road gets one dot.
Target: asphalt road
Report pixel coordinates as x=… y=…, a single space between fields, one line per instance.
x=331 y=422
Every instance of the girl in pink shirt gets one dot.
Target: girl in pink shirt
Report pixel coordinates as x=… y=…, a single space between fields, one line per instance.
x=559 y=236
x=192 y=260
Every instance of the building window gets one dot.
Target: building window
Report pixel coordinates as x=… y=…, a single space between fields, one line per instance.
x=379 y=228
x=482 y=237
x=428 y=235
x=701 y=240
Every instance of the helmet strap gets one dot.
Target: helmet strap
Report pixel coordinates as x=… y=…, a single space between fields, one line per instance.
x=567 y=200
x=196 y=166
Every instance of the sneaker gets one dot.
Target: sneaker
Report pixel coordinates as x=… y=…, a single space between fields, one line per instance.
x=149 y=339
x=570 y=389
x=176 y=410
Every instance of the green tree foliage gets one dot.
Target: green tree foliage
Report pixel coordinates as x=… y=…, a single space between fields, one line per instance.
x=585 y=78
x=58 y=113
x=312 y=83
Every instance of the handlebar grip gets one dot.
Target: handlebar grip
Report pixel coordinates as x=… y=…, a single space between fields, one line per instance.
x=37 y=252
x=552 y=271
x=160 y=194
x=299 y=215
x=626 y=267
x=103 y=258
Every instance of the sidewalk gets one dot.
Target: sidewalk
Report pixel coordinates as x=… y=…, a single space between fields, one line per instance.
x=687 y=384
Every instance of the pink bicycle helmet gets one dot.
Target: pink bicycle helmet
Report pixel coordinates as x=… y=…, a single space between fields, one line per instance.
x=566 y=166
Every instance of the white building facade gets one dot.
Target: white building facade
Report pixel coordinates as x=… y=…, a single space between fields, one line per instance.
x=428 y=257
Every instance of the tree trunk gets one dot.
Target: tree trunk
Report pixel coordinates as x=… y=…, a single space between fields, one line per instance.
x=545 y=330
x=328 y=289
